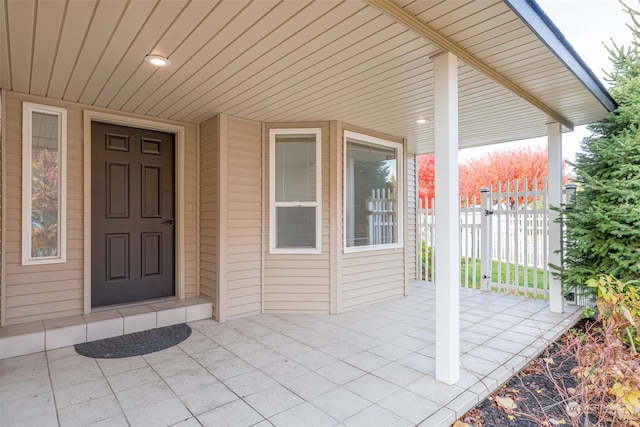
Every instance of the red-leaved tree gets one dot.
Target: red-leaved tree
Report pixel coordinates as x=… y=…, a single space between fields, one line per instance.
x=426 y=178
x=490 y=169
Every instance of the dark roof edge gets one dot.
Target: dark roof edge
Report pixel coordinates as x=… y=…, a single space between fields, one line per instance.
x=534 y=17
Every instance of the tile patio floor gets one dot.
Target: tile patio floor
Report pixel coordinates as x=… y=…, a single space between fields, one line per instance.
x=373 y=366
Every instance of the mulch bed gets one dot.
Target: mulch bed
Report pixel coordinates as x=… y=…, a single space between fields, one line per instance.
x=532 y=391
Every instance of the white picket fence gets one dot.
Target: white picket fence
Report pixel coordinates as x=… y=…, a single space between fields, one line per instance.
x=508 y=222
x=381 y=219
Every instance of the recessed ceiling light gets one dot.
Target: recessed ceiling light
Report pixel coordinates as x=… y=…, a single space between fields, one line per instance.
x=421 y=121
x=157 y=60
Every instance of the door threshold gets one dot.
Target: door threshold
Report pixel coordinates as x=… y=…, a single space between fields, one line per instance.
x=132 y=304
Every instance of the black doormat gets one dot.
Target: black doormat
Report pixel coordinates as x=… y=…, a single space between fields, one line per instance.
x=135 y=344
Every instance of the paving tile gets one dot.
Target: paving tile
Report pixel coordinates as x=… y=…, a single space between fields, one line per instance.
x=116 y=366
x=181 y=365
x=263 y=358
x=398 y=374
x=463 y=403
x=130 y=379
x=23 y=373
x=116 y=421
x=410 y=343
x=144 y=395
x=432 y=389
x=309 y=385
x=185 y=382
x=68 y=378
x=314 y=359
x=284 y=370
x=234 y=414
x=207 y=398
x=389 y=351
x=21 y=389
x=162 y=413
x=249 y=383
x=273 y=339
x=478 y=365
x=371 y=387
x=82 y=392
x=490 y=354
x=7 y=365
x=443 y=417
x=419 y=362
x=366 y=361
x=341 y=350
x=247 y=346
x=38 y=406
x=375 y=416
x=273 y=400
x=304 y=415
x=505 y=345
x=89 y=412
x=409 y=406
x=47 y=420
x=340 y=403
x=229 y=368
x=340 y=372
x=191 y=422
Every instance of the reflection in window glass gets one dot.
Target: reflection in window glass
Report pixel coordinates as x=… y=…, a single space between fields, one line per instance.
x=371 y=187
x=45 y=184
x=43 y=206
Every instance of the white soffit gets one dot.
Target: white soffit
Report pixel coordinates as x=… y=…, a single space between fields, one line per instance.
x=290 y=61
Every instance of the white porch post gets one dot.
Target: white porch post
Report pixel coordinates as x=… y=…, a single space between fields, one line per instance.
x=554 y=153
x=447 y=252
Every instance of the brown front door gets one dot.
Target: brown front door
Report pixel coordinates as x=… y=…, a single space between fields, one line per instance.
x=132 y=214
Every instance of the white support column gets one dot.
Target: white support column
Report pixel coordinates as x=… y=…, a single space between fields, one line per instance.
x=447 y=205
x=554 y=153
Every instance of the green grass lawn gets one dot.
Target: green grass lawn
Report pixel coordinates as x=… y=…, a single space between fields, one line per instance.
x=466 y=274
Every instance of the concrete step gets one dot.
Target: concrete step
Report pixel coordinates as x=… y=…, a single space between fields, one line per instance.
x=32 y=337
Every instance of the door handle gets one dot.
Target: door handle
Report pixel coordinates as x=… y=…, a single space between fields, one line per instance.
x=170 y=222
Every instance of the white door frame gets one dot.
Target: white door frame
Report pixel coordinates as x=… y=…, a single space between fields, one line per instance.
x=179 y=132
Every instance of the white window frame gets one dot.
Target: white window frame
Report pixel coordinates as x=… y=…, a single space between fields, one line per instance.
x=399 y=191
x=272 y=193
x=27 y=148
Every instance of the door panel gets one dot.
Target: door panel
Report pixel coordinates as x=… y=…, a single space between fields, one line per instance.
x=132 y=211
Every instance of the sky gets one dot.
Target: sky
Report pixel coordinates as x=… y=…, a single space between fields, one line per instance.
x=586 y=24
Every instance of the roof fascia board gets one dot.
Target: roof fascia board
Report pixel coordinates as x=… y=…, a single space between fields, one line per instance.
x=534 y=17
x=402 y=16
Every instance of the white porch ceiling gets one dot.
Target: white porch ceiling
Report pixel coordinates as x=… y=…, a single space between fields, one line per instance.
x=284 y=61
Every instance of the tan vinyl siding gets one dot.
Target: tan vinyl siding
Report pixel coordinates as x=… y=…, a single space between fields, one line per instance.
x=209 y=209
x=37 y=292
x=372 y=276
x=300 y=282
x=411 y=238
x=243 y=193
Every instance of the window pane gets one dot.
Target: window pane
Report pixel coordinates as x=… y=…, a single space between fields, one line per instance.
x=45 y=163
x=295 y=168
x=371 y=194
x=296 y=227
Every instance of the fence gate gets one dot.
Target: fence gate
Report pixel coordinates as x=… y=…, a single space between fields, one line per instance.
x=504 y=239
